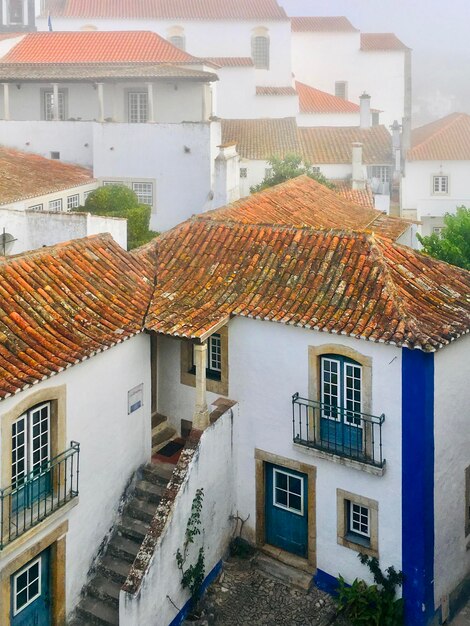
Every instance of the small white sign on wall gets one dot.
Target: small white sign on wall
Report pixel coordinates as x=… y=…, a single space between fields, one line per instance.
x=135 y=398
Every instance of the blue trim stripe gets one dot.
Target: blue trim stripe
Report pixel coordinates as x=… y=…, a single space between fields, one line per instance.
x=211 y=576
x=418 y=486
x=326 y=582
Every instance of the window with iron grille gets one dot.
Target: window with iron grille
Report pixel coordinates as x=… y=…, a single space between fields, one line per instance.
x=260 y=52
x=144 y=192
x=48 y=105
x=73 y=201
x=341 y=89
x=440 y=184
x=178 y=41
x=55 y=205
x=243 y=172
x=138 y=107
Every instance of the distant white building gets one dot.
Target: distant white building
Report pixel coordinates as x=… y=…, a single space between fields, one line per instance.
x=436 y=178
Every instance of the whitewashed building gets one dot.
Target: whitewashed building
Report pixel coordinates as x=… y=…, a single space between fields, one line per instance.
x=436 y=180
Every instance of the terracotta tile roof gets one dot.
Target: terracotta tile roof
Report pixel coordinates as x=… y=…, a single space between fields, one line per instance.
x=169 y=10
x=350 y=283
x=381 y=41
x=446 y=139
x=322 y=24
x=364 y=197
x=313 y=100
x=24 y=175
x=303 y=201
x=62 y=304
x=96 y=47
x=262 y=138
x=275 y=91
x=86 y=72
x=328 y=144
x=231 y=61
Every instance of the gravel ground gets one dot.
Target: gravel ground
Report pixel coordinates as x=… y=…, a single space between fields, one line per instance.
x=245 y=596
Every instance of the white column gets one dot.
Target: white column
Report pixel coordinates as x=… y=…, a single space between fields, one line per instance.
x=100 y=102
x=151 y=110
x=6 y=101
x=55 y=101
x=201 y=413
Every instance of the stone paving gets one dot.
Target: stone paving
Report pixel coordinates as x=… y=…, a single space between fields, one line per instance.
x=245 y=596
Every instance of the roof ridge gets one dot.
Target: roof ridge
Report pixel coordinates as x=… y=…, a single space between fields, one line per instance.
x=53 y=248
x=453 y=118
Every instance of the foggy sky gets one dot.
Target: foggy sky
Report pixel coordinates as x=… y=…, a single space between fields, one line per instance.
x=436 y=30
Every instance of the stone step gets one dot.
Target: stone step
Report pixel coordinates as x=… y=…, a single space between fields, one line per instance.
x=140 y=509
x=104 y=589
x=285 y=573
x=157 y=420
x=159 y=472
x=162 y=434
x=113 y=568
x=97 y=612
x=132 y=528
x=152 y=492
x=123 y=548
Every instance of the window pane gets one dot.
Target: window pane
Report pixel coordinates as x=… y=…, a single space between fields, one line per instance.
x=144 y=192
x=138 y=107
x=260 y=52
x=281 y=480
x=281 y=497
x=295 y=502
x=295 y=485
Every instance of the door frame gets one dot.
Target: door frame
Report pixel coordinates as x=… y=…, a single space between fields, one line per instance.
x=261 y=458
x=56 y=541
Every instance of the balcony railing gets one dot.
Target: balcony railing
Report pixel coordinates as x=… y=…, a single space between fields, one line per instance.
x=339 y=431
x=28 y=501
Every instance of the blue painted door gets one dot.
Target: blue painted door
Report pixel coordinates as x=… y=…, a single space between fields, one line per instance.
x=30 y=602
x=286 y=513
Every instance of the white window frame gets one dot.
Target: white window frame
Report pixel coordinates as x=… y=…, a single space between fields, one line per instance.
x=27 y=567
x=47 y=111
x=140 y=194
x=214 y=347
x=353 y=525
x=341 y=89
x=342 y=382
x=440 y=178
x=36 y=207
x=29 y=439
x=381 y=172
x=300 y=512
x=58 y=202
x=73 y=201
x=138 y=107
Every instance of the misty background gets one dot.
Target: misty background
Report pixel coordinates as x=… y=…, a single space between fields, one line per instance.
x=436 y=30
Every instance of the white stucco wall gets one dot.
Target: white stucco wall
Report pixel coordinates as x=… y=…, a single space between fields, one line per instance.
x=268 y=363
x=113 y=445
x=417 y=191
x=34 y=229
x=451 y=457
x=211 y=469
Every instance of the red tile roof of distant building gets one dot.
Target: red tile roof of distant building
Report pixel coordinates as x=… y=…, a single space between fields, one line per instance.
x=262 y=138
x=322 y=24
x=96 y=47
x=275 y=91
x=313 y=100
x=446 y=139
x=364 y=197
x=231 y=61
x=25 y=175
x=168 y=10
x=381 y=41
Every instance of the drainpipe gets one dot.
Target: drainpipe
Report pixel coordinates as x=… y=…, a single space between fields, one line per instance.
x=201 y=413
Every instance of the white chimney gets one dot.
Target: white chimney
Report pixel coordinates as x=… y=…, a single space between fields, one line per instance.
x=226 y=176
x=358 y=179
x=396 y=144
x=365 y=117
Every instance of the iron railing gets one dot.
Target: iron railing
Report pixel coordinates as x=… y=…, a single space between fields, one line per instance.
x=336 y=430
x=28 y=501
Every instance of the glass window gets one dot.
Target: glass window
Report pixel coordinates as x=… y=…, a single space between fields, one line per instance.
x=178 y=41
x=341 y=89
x=48 y=105
x=55 y=205
x=144 y=192
x=214 y=354
x=15 y=12
x=359 y=519
x=243 y=172
x=27 y=585
x=138 y=107
x=260 y=52
x=440 y=184
x=288 y=492
x=36 y=207
x=381 y=172
x=73 y=201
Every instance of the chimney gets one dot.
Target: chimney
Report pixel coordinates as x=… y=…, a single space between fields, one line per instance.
x=226 y=176
x=358 y=180
x=396 y=144
x=365 y=119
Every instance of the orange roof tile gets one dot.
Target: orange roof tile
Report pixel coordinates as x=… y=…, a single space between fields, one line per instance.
x=352 y=283
x=96 y=47
x=446 y=139
x=24 y=175
x=303 y=201
x=262 y=138
x=168 y=10
x=333 y=144
x=364 y=197
x=231 y=61
x=275 y=91
x=381 y=41
x=63 y=304
x=322 y=24
x=313 y=100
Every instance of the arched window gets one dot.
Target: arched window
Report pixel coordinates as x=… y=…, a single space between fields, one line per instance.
x=260 y=51
x=176 y=37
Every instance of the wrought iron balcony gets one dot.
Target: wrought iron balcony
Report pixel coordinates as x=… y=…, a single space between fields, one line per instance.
x=339 y=431
x=35 y=496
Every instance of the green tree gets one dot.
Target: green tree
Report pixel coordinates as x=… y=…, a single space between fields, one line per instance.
x=120 y=201
x=289 y=167
x=453 y=244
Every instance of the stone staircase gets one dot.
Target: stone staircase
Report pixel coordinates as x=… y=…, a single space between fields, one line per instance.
x=162 y=432
x=100 y=597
